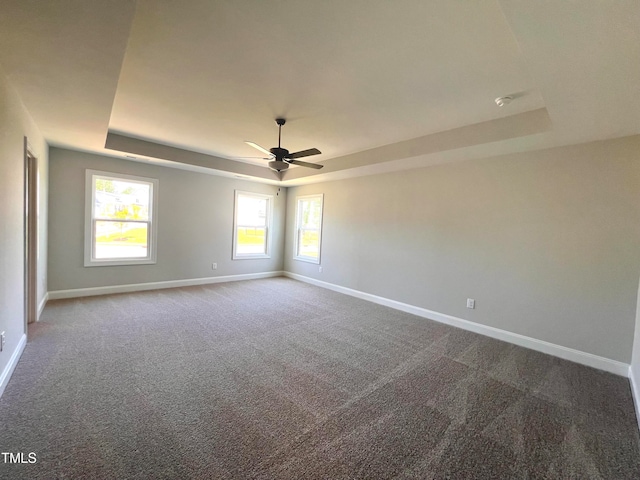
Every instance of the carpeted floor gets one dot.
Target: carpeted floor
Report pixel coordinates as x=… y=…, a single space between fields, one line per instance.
x=276 y=379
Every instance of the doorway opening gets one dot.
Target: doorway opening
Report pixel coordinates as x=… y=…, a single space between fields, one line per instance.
x=30 y=235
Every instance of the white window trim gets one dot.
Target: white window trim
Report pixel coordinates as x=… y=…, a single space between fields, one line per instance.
x=248 y=256
x=89 y=260
x=296 y=231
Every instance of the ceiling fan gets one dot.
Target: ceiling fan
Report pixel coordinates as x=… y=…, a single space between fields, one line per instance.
x=281 y=158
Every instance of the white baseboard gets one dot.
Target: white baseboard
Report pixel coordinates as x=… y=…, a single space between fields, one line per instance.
x=577 y=356
x=138 y=287
x=13 y=361
x=43 y=302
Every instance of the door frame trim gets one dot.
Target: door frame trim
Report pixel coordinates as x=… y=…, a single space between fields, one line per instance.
x=30 y=235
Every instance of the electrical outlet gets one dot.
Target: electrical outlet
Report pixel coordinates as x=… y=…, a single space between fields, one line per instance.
x=3 y=339
x=320 y=269
x=214 y=266
x=471 y=303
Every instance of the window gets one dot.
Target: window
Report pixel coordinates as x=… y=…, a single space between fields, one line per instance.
x=120 y=225
x=308 y=228
x=251 y=224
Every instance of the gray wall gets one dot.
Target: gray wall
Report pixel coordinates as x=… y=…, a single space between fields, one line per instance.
x=15 y=124
x=195 y=224
x=546 y=242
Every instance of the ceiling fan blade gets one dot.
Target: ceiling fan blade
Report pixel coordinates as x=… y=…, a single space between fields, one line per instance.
x=304 y=164
x=304 y=153
x=250 y=158
x=258 y=147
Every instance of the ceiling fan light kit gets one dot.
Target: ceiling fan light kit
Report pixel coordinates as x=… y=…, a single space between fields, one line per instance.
x=278 y=165
x=281 y=158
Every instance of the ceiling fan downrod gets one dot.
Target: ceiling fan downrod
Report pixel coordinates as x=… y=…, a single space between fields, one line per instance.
x=280 y=122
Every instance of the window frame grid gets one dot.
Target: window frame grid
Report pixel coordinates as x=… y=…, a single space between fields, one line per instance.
x=90 y=259
x=267 y=227
x=299 y=229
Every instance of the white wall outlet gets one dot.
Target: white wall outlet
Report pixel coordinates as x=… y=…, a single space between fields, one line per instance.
x=471 y=303
x=214 y=266
x=320 y=269
x=3 y=339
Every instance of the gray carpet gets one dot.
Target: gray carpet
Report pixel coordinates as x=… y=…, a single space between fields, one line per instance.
x=276 y=379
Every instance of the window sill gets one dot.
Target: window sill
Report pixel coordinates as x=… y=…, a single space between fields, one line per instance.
x=118 y=262
x=315 y=261
x=250 y=257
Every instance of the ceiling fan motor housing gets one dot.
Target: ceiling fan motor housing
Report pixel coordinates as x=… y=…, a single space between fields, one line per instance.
x=279 y=153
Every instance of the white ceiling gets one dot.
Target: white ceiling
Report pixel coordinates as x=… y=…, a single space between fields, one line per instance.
x=375 y=85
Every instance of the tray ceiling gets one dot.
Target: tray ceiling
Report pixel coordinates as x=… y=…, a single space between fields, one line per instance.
x=376 y=86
